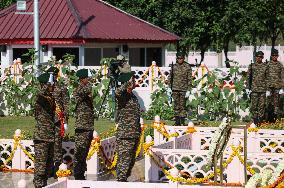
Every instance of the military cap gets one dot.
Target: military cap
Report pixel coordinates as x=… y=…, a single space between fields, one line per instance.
x=274 y=52
x=43 y=78
x=120 y=58
x=125 y=73
x=82 y=73
x=124 y=77
x=259 y=53
x=180 y=54
x=53 y=70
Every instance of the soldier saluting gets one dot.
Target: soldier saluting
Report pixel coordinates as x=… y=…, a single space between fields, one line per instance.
x=180 y=81
x=61 y=97
x=84 y=123
x=128 y=123
x=257 y=85
x=44 y=130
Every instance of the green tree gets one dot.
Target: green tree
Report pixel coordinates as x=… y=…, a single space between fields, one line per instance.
x=6 y=3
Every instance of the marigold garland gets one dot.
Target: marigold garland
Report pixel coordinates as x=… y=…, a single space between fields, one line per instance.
x=190 y=130
x=191 y=180
x=277 y=182
x=63 y=173
x=251 y=129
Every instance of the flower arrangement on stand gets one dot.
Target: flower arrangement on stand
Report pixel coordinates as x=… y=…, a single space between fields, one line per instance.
x=219 y=139
x=63 y=173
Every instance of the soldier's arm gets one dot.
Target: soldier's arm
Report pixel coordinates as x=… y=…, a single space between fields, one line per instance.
x=122 y=89
x=65 y=100
x=248 y=76
x=189 y=77
x=282 y=76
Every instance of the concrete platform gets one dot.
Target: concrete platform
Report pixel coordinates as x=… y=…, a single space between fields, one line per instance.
x=10 y=179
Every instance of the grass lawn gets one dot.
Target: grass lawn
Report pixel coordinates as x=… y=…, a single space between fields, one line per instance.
x=9 y=124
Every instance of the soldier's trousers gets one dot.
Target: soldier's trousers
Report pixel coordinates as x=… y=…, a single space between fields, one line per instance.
x=58 y=155
x=43 y=153
x=126 y=150
x=274 y=101
x=83 y=139
x=258 y=105
x=179 y=103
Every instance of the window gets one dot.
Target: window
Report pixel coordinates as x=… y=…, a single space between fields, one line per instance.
x=92 y=56
x=137 y=56
x=154 y=54
x=19 y=52
x=110 y=52
x=60 y=52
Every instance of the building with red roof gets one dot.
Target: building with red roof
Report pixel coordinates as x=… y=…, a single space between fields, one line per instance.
x=89 y=29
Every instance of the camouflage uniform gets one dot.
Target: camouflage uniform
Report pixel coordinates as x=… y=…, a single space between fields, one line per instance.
x=128 y=130
x=182 y=78
x=43 y=136
x=84 y=127
x=258 y=74
x=61 y=97
x=275 y=82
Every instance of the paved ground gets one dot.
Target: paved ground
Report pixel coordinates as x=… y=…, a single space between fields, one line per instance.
x=10 y=180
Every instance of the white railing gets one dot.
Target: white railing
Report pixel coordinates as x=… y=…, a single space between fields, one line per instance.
x=21 y=161
x=107 y=184
x=263 y=141
x=189 y=152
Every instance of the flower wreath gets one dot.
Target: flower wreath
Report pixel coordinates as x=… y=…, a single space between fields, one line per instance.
x=267 y=178
x=219 y=140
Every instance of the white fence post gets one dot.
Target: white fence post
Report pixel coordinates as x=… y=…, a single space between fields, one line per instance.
x=94 y=162
x=151 y=169
x=235 y=170
x=158 y=137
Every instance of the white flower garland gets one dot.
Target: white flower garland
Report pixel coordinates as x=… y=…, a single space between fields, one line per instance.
x=266 y=177
x=254 y=181
x=277 y=172
x=217 y=137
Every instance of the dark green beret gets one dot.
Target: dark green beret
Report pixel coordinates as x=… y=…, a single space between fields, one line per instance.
x=274 y=52
x=124 y=77
x=180 y=54
x=82 y=73
x=53 y=70
x=43 y=78
x=259 y=53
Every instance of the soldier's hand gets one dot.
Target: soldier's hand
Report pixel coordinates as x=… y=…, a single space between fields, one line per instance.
x=65 y=126
x=194 y=90
x=281 y=92
x=187 y=94
x=166 y=81
x=268 y=93
x=248 y=92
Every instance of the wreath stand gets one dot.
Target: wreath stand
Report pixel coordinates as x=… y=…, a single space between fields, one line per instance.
x=218 y=152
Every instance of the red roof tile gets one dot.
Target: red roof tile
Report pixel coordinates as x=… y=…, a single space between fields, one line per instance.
x=87 y=20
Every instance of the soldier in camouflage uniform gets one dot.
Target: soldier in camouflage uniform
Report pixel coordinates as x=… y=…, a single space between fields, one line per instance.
x=44 y=131
x=275 y=84
x=84 y=124
x=128 y=124
x=61 y=97
x=257 y=74
x=180 y=81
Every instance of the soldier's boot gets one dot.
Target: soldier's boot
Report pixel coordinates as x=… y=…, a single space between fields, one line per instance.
x=177 y=121
x=260 y=121
x=182 y=121
x=56 y=168
x=255 y=121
